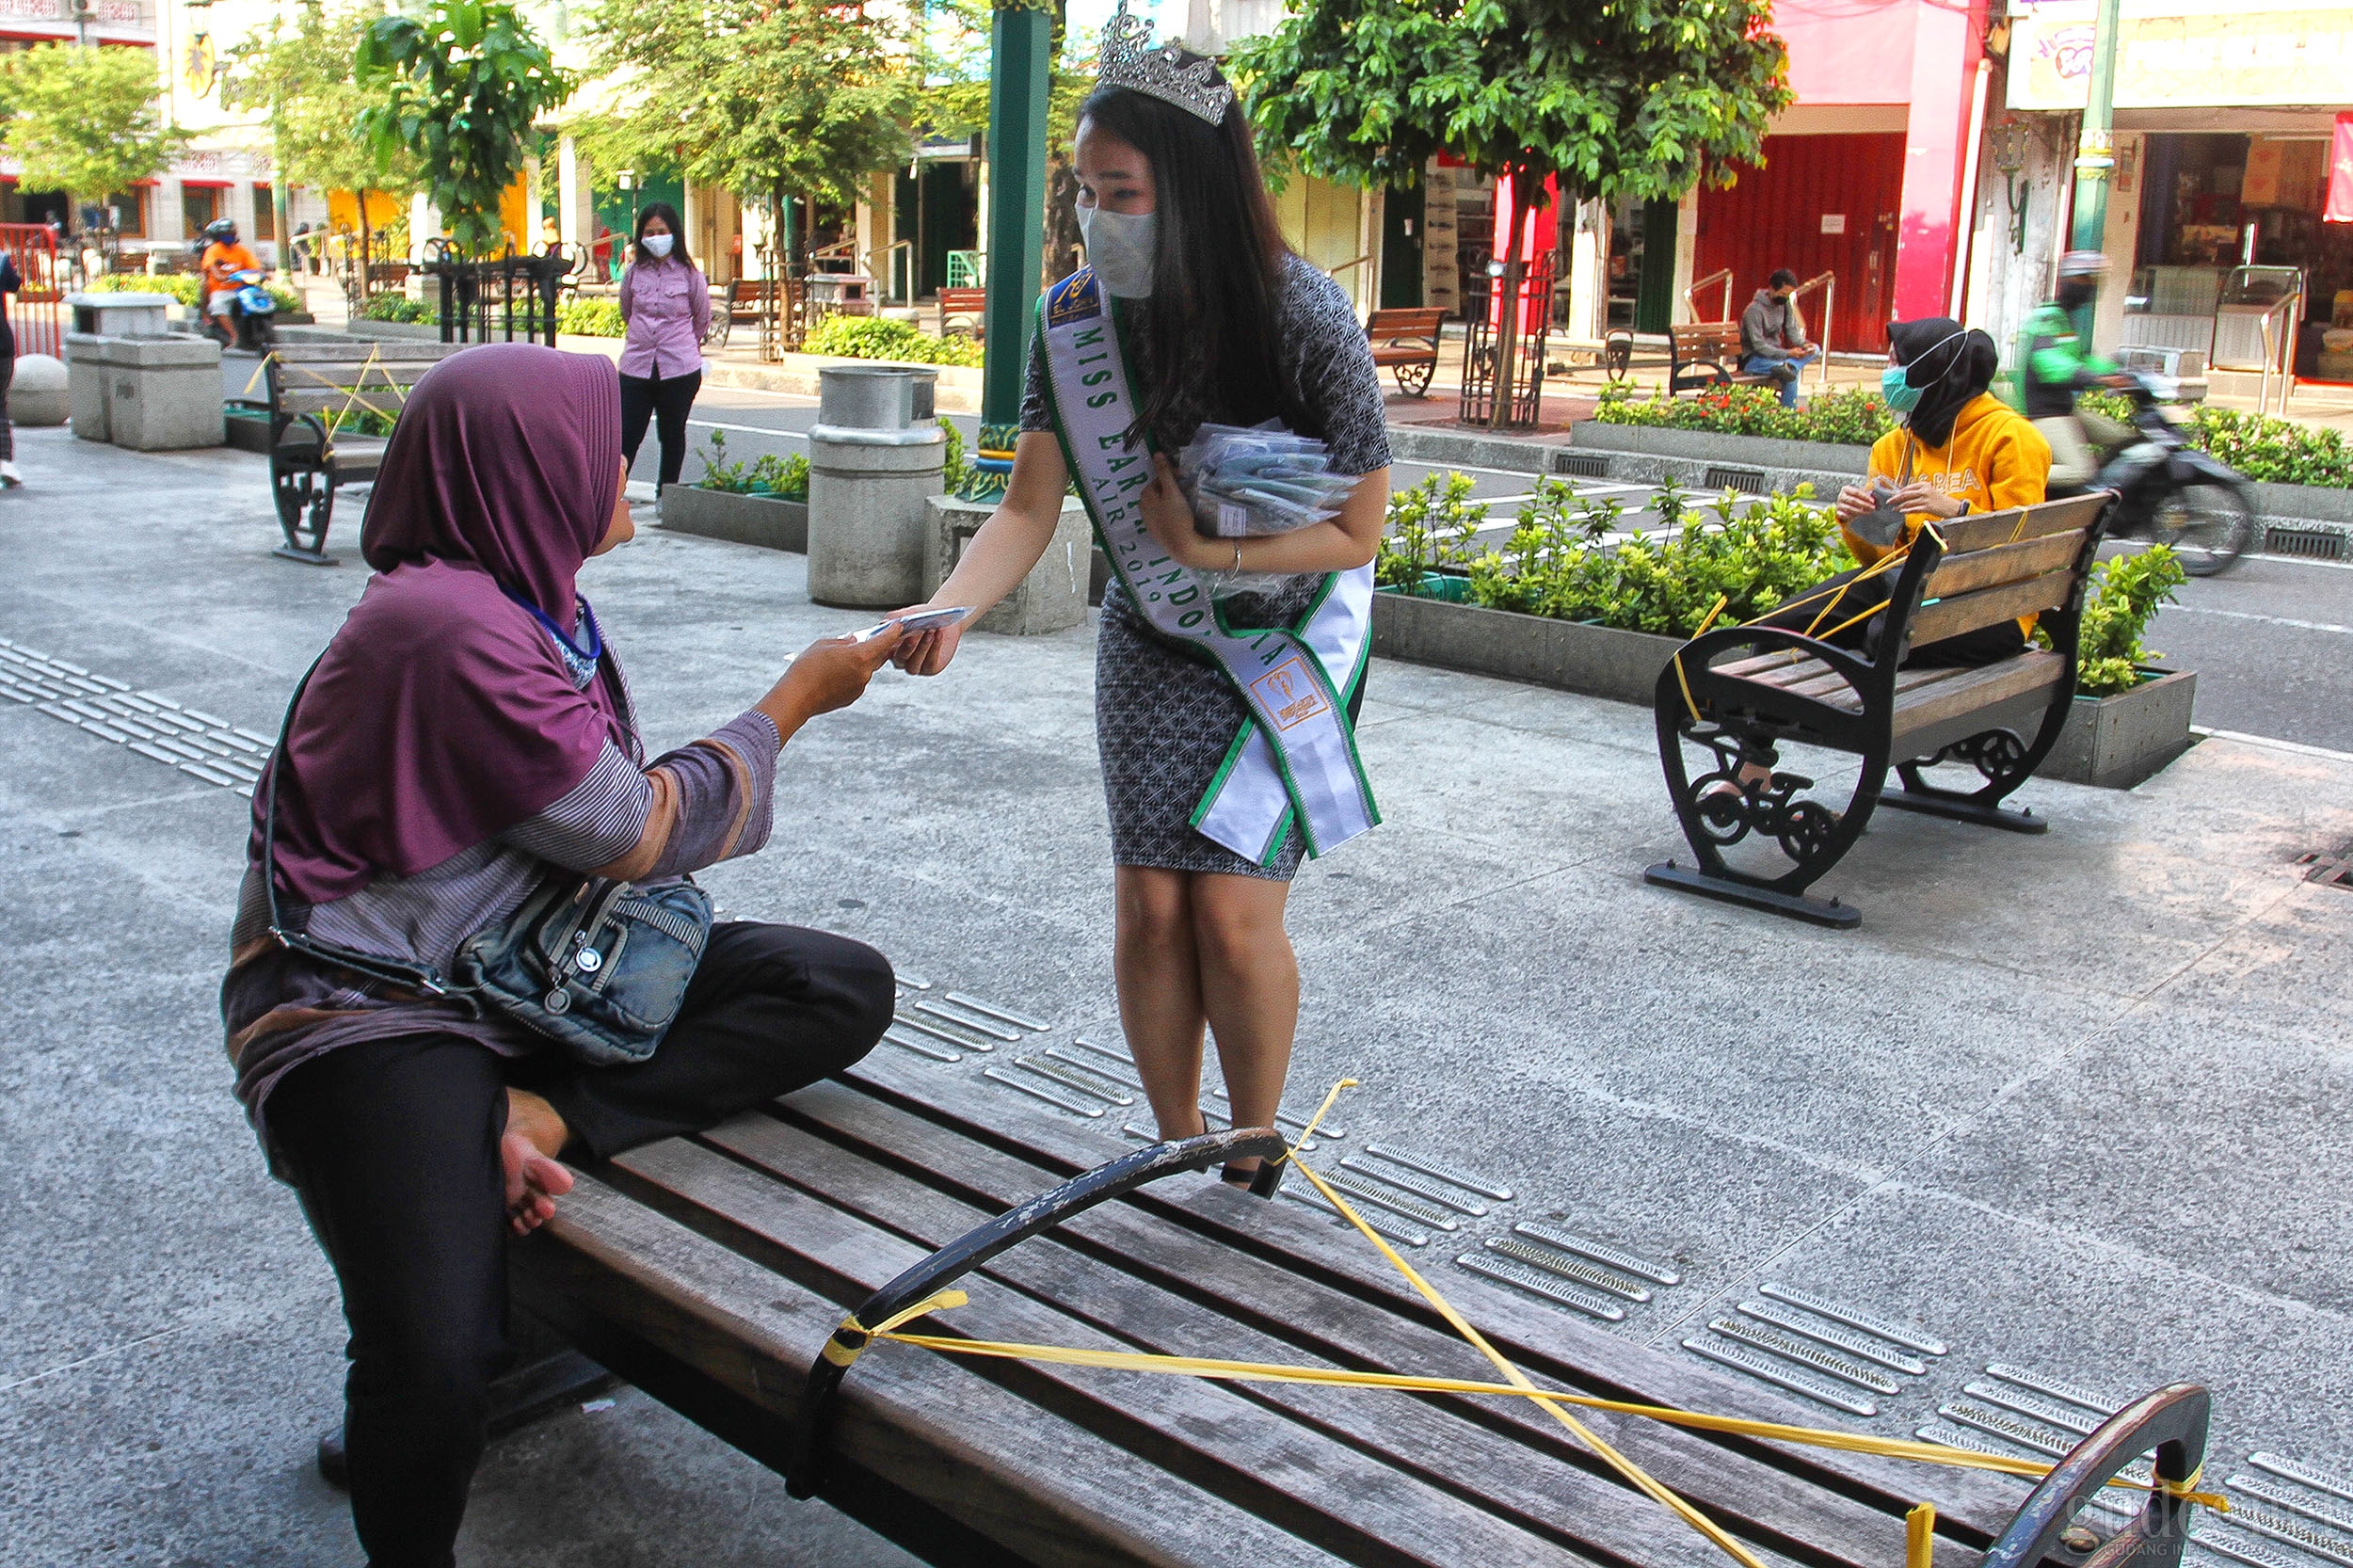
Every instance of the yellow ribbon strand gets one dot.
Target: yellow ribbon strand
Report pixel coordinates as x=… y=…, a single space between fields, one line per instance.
x=1920 y=1536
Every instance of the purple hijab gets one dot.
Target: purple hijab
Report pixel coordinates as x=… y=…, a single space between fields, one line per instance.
x=440 y=714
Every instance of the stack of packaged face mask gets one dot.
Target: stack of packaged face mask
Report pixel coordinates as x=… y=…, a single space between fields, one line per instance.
x=1266 y=480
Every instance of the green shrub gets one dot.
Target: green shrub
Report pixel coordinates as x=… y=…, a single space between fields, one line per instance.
x=1429 y=525
x=786 y=478
x=182 y=287
x=874 y=337
x=1558 y=562
x=400 y=308
x=590 y=318
x=2275 y=451
x=1853 y=416
x=2124 y=593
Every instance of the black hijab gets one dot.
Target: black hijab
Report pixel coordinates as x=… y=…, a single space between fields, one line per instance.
x=1951 y=368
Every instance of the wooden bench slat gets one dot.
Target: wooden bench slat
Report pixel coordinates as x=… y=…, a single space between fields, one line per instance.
x=1950 y=617
x=1968 y=690
x=2010 y=563
x=1529 y=1490
x=979 y=1453
x=391 y=352
x=1986 y=530
x=331 y=400
x=1232 y=1244
x=1283 y=1472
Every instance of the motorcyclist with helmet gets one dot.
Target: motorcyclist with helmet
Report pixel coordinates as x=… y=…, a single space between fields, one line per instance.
x=2056 y=365
x=224 y=256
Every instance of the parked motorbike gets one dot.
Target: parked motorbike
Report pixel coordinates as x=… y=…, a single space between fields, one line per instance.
x=253 y=312
x=2170 y=492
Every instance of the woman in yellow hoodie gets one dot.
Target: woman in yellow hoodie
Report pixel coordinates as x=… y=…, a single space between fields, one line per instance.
x=1959 y=450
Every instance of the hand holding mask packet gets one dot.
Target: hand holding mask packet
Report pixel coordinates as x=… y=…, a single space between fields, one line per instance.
x=1243 y=484
x=1883 y=525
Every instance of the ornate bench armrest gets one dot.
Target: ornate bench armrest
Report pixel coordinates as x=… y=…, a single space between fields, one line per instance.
x=2172 y=1421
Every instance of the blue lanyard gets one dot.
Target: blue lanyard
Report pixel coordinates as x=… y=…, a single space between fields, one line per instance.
x=588 y=655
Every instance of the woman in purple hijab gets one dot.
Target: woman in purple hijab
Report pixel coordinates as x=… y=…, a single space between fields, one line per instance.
x=466 y=735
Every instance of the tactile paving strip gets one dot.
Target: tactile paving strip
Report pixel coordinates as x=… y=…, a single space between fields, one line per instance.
x=158 y=728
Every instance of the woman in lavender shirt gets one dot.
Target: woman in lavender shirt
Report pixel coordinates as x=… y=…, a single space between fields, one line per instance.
x=667 y=307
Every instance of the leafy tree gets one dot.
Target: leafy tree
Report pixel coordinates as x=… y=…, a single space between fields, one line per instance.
x=458 y=90
x=84 y=120
x=302 y=74
x=1612 y=98
x=786 y=98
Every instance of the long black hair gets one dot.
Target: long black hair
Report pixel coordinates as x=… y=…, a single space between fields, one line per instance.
x=1949 y=365
x=1211 y=331
x=669 y=215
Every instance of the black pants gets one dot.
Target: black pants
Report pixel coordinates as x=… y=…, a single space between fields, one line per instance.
x=394 y=1147
x=1822 y=607
x=664 y=402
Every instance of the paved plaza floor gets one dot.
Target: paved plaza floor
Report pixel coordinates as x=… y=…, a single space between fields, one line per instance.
x=2072 y=1104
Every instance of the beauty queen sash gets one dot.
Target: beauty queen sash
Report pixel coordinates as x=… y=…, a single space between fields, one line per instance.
x=1294 y=758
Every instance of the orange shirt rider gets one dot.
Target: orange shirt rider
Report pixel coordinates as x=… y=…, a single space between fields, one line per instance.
x=221 y=263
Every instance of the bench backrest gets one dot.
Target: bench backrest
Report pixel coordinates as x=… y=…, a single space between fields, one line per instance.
x=316 y=378
x=2002 y=565
x=1404 y=324
x=1706 y=340
x=963 y=302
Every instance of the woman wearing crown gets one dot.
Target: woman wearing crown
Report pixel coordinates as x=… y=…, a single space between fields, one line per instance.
x=1224 y=720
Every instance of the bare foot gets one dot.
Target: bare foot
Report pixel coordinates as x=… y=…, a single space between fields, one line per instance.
x=535 y=1179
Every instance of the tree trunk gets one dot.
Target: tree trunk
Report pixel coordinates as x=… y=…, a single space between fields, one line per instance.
x=1508 y=317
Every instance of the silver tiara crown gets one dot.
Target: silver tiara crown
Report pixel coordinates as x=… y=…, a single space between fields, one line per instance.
x=1126 y=61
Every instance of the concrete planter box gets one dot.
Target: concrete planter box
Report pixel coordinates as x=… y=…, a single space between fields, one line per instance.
x=956 y=392
x=1597 y=661
x=1765 y=451
x=757 y=519
x=2116 y=742
x=1052 y=597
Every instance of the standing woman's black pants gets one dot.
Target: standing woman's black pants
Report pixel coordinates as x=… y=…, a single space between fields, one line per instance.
x=394 y=1147
x=666 y=402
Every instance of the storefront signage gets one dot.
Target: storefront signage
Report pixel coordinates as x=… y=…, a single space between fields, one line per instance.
x=2173 y=53
x=1833 y=223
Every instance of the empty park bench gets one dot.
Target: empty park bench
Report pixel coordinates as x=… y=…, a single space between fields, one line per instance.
x=1740 y=693
x=1706 y=353
x=962 y=313
x=310 y=386
x=715 y=1273
x=1405 y=342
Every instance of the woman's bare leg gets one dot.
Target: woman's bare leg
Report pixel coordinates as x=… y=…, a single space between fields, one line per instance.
x=1249 y=989
x=1159 y=992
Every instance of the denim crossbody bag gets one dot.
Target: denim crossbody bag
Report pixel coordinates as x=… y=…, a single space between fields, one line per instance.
x=597 y=965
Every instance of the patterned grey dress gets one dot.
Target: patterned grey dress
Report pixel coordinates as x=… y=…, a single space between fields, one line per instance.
x=1165 y=717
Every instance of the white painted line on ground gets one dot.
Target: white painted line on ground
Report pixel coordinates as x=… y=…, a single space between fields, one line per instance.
x=2271 y=744
x=748 y=429
x=2268 y=620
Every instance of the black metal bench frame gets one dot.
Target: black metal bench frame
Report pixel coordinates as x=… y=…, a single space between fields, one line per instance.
x=1742 y=720
x=307 y=463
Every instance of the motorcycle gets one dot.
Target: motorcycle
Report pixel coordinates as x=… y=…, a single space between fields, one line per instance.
x=253 y=312
x=2167 y=491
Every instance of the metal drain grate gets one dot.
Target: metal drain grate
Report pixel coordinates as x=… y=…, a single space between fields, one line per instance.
x=1585 y=465
x=2319 y=544
x=156 y=727
x=1747 y=481
x=2330 y=871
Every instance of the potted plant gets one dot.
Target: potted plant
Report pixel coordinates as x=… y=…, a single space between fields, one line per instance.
x=2130 y=718
x=763 y=502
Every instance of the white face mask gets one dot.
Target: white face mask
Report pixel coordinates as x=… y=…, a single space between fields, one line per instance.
x=1120 y=246
x=657 y=246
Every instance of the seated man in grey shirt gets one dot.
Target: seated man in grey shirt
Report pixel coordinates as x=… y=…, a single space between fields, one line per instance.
x=1772 y=336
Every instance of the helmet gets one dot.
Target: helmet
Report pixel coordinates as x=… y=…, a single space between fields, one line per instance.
x=222 y=228
x=2083 y=263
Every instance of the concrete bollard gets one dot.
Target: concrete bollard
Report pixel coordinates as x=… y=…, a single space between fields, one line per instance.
x=149 y=395
x=1053 y=598
x=876 y=456
x=37 y=394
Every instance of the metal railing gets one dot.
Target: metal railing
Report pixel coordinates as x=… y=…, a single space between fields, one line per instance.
x=1828 y=283
x=2277 y=326
x=1690 y=303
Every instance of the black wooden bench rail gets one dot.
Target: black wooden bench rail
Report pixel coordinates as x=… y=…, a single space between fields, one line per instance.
x=1742 y=693
x=310 y=385
x=1704 y=354
x=711 y=1271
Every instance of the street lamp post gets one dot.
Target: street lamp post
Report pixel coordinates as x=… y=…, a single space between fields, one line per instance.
x=2095 y=149
x=1018 y=85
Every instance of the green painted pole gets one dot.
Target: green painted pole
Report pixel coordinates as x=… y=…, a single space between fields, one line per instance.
x=1020 y=40
x=2095 y=149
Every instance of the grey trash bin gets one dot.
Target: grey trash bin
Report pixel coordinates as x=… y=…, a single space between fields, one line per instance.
x=875 y=455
